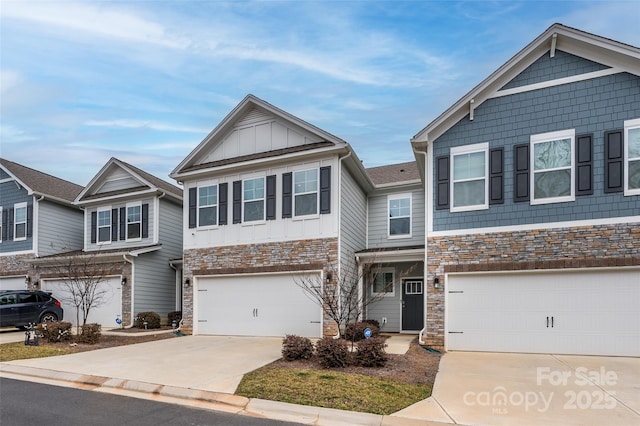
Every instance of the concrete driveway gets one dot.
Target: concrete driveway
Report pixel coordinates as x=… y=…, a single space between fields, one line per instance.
x=527 y=389
x=210 y=363
x=10 y=335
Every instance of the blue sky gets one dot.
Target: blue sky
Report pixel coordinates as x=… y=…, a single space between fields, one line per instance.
x=145 y=80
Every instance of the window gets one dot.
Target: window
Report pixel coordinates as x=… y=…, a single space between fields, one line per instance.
x=104 y=225
x=134 y=222
x=413 y=287
x=632 y=157
x=253 y=199
x=399 y=215
x=305 y=189
x=20 y=222
x=383 y=283
x=469 y=183
x=208 y=205
x=552 y=164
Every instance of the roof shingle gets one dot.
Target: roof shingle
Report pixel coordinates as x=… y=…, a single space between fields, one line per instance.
x=42 y=183
x=394 y=173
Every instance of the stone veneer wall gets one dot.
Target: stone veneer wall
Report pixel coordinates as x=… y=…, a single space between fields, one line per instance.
x=301 y=255
x=561 y=248
x=15 y=265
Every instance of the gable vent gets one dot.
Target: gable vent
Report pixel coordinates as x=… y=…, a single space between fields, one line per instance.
x=254 y=115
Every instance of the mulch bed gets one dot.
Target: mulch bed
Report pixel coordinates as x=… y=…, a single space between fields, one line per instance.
x=418 y=366
x=134 y=330
x=108 y=341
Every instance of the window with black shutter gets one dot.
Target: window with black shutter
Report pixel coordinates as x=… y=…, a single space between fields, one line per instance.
x=287 y=195
x=325 y=190
x=614 y=161
x=496 y=176
x=193 y=207
x=237 y=201
x=584 y=165
x=223 y=190
x=442 y=182
x=521 y=173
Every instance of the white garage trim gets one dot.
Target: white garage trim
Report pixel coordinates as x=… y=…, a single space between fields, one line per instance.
x=591 y=311
x=241 y=309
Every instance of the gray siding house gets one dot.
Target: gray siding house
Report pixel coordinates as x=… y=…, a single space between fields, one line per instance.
x=533 y=204
x=132 y=223
x=38 y=219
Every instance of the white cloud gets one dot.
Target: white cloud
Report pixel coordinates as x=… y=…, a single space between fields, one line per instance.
x=145 y=124
x=9 y=79
x=11 y=134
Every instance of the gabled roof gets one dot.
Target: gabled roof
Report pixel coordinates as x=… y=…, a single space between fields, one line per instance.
x=147 y=184
x=194 y=161
x=39 y=183
x=395 y=173
x=618 y=56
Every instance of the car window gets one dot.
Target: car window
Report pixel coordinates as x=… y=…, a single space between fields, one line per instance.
x=7 y=299
x=44 y=297
x=28 y=298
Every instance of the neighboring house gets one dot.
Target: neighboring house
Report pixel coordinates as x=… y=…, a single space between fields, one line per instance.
x=271 y=199
x=133 y=225
x=38 y=219
x=533 y=204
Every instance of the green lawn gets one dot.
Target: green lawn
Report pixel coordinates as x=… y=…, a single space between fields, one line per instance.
x=18 y=350
x=331 y=389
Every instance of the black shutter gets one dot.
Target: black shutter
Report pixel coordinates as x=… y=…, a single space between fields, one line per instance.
x=442 y=185
x=325 y=190
x=287 y=195
x=29 y=221
x=4 y=225
x=521 y=173
x=584 y=165
x=94 y=227
x=123 y=223
x=271 y=197
x=145 y=220
x=193 y=206
x=114 y=225
x=496 y=176
x=223 y=201
x=613 y=158
x=237 y=201
x=10 y=224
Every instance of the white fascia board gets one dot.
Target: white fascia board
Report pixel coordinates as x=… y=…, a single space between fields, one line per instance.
x=393 y=256
x=93 y=181
x=144 y=250
x=15 y=253
x=119 y=197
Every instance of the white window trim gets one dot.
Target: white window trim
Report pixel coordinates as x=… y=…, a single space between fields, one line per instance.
x=317 y=191
x=126 y=212
x=546 y=137
x=629 y=125
x=468 y=149
x=390 y=198
x=217 y=205
x=405 y=281
x=392 y=293
x=103 y=209
x=16 y=223
x=264 y=201
x=0 y=224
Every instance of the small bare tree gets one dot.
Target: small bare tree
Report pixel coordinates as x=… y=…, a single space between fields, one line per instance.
x=81 y=274
x=343 y=296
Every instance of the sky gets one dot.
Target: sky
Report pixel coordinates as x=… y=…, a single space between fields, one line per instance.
x=145 y=81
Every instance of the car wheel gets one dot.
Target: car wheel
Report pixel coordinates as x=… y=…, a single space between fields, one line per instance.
x=49 y=317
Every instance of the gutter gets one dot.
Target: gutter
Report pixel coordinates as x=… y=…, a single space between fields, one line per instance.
x=426 y=244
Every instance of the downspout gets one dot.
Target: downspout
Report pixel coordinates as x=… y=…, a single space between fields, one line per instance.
x=133 y=266
x=426 y=245
x=340 y=227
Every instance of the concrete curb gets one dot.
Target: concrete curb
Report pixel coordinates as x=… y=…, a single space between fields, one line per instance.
x=212 y=400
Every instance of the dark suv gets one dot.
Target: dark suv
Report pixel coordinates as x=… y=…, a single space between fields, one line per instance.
x=20 y=307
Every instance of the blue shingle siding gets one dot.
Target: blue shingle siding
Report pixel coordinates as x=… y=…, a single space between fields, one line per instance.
x=10 y=195
x=3 y=174
x=592 y=106
x=547 y=68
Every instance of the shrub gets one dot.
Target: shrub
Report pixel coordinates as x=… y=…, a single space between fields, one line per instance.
x=174 y=316
x=354 y=332
x=90 y=334
x=57 y=331
x=332 y=352
x=151 y=318
x=372 y=322
x=296 y=347
x=371 y=352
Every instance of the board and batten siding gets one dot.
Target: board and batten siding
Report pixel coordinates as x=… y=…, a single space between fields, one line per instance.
x=119 y=243
x=378 y=230
x=59 y=228
x=353 y=220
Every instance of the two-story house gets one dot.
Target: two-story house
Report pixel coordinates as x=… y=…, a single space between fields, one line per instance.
x=131 y=228
x=533 y=204
x=38 y=219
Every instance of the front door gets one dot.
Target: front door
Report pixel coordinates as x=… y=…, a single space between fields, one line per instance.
x=412 y=304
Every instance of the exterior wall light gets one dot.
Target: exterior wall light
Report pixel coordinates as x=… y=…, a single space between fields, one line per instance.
x=328 y=277
x=124 y=281
x=27 y=280
x=187 y=282
x=436 y=282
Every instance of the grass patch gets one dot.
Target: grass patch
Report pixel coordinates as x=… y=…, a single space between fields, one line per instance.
x=18 y=350
x=344 y=391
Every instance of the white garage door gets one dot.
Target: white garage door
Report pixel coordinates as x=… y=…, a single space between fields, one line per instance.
x=586 y=312
x=12 y=283
x=104 y=313
x=255 y=305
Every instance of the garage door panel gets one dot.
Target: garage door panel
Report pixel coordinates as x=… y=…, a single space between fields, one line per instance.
x=256 y=305
x=12 y=283
x=572 y=312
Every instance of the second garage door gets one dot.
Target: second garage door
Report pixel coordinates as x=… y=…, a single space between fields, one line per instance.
x=256 y=305
x=586 y=313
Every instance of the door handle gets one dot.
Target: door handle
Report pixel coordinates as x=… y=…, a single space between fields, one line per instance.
x=547 y=322
x=551 y=322
x=254 y=312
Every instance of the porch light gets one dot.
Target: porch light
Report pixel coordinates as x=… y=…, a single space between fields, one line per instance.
x=27 y=280
x=187 y=282
x=328 y=277
x=436 y=282
x=124 y=281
